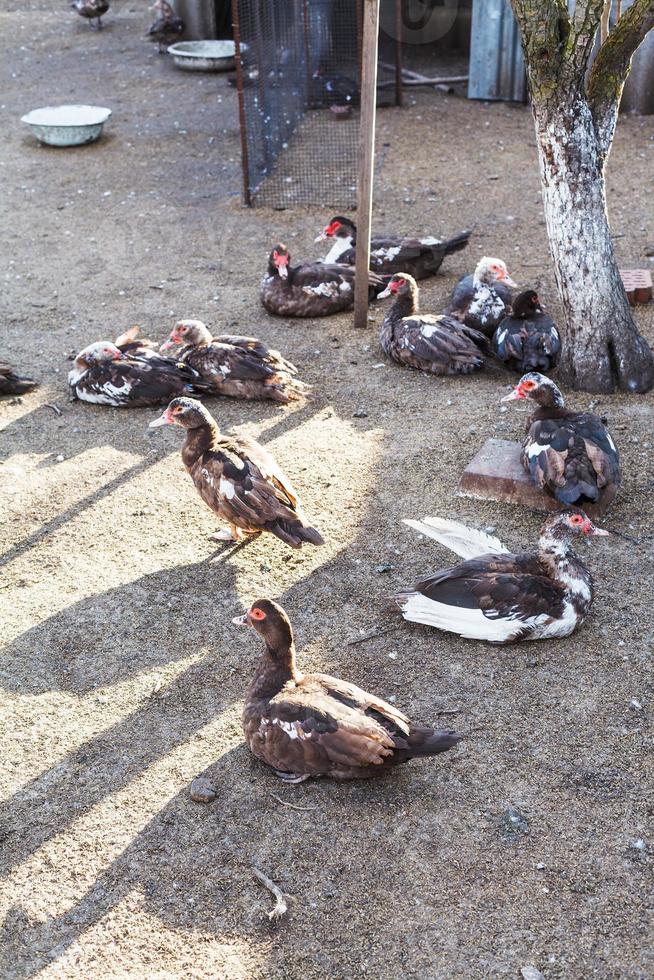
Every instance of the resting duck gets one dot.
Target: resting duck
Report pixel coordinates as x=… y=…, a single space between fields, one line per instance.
x=92 y=10
x=527 y=339
x=310 y=288
x=130 y=342
x=305 y=725
x=104 y=375
x=167 y=26
x=238 y=479
x=436 y=344
x=420 y=257
x=241 y=367
x=501 y=597
x=12 y=383
x=568 y=454
x=482 y=299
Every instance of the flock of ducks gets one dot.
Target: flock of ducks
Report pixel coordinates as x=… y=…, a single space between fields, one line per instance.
x=166 y=27
x=305 y=725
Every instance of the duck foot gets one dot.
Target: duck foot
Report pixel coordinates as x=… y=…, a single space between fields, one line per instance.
x=227 y=535
x=291 y=777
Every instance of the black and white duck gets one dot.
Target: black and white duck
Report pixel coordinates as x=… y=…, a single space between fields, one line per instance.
x=104 y=375
x=305 y=725
x=499 y=596
x=91 y=10
x=420 y=257
x=569 y=455
x=238 y=479
x=482 y=299
x=527 y=338
x=310 y=288
x=240 y=367
x=437 y=344
x=166 y=27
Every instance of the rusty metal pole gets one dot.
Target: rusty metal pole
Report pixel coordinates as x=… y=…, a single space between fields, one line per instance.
x=366 y=158
x=245 y=167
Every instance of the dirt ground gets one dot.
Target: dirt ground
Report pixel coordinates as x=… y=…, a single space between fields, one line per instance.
x=122 y=677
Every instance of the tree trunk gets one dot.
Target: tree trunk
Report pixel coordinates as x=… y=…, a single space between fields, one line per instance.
x=602 y=347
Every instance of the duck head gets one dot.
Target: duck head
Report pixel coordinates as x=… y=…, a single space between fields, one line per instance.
x=102 y=351
x=271 y=623
x=490 y=270
x=537 y=388
x=279 y=261
x=526 y=303
x=559 y=528
x=192 y=332
x=189 y=413
x=401 y=285
x=339 y=227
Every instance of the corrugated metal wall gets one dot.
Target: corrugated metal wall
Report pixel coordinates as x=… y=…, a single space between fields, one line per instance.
x=497 y=67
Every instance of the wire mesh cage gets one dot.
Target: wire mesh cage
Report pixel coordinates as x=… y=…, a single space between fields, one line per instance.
x=298 y=84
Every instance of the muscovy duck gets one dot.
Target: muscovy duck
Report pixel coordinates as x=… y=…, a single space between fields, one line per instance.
x=501 y=597
x=167 y=26
x=102 y=374
x=436 y=344
x=568 y=454
x=305 y=725
x=91 y=10
x=12 y=383
x=481 y=300
x=241 y=367
x=310 y=288
x=130 y=342
x=420 y=257
x=527 y=338
x=238 y=479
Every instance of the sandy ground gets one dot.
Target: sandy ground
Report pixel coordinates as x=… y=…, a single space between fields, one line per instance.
x=122 y=676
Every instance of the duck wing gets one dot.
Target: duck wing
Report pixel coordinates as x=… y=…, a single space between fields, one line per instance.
x=467 y=542
x=257 y=348
x=437 y=344
x=135 y=381
x=499 y=598
x=508 y=339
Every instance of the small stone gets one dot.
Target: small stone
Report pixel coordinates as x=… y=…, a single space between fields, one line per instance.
x=203 y=790
x=513 y=823
x=530 y=972
x=540 y=866
x=638 y=846
x=60 y=459
x=392 y=655
x=635 y=705
x=360 y=414
x=383 y=569
x=649 y=249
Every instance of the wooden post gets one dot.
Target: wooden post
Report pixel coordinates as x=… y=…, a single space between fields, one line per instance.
x=366 y=158
x=245 y=167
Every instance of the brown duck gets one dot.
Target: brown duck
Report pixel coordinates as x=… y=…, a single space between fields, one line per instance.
x=12 y=383
x=240 y=367
x=305 y=725
x=238 y=479
x=436 y=344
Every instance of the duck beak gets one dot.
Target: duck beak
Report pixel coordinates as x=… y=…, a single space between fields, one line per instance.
x=508 y=281
x=387 y=292
x=169 y=344
x=596 y=532
x=322 y=237
x=513 y=396
x=164 y=419
x=241 y=620
x=283 y=271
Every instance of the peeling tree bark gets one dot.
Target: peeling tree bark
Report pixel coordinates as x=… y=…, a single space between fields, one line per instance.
x=575 y=124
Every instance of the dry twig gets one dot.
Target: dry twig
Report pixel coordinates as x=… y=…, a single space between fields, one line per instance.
x=55 y=408
x=293 y=806
x=373 y=634
x=280 y=907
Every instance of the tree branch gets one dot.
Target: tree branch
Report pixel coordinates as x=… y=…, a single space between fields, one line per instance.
x=611 y=67
x=544 y=28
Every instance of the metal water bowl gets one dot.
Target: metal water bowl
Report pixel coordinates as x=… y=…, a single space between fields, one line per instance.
x=67 y=125
x=204 y=55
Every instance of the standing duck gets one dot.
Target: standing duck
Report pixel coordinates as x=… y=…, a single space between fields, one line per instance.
x=527 y=338
x=104 y=375
x=238 y=479
x=483 y=298
x=310 y=288
x=420 y=257
x=501 y=597
x=568 y=454
x=305 y=725
x=91 y=10
x=436 y=344
x=241 y=367
x=166 y=27
x=12 y=383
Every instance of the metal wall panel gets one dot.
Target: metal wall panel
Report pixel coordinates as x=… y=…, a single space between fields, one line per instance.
x=497 y=68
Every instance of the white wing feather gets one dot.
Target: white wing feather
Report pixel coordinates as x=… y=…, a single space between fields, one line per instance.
x=467 y=542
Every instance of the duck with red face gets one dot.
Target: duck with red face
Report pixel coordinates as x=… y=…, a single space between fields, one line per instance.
x=437 y=344
x=499 y=596
x=310 y=288
x=420 y=256
x=569 y=455
x=482 y=299
x=105 y=375
x=305 y=725
x=239 y=367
